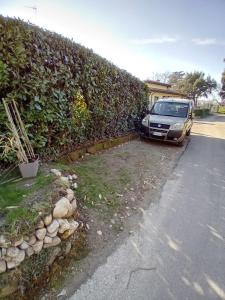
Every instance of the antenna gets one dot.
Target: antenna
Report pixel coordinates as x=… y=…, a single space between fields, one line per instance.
x=34 y=8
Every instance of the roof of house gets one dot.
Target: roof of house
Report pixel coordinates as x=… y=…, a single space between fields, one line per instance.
x=171 y=92
x=158 y=82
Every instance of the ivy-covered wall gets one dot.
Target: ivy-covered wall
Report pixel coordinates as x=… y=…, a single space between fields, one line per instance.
x=67 y=94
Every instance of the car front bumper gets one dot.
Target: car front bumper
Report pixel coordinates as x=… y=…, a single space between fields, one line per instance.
x=162 y=134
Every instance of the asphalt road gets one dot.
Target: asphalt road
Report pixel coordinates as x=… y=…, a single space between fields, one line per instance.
x=179 y=250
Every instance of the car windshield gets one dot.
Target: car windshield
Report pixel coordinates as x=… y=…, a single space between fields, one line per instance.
x=172 y=109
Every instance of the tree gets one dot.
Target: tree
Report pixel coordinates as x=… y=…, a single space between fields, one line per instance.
x=175 y=78
x=194 y=84
x=222 y=92
x=162 y=77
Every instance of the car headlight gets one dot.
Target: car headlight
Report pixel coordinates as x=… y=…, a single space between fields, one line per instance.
x=145 y=121
x=177 y=126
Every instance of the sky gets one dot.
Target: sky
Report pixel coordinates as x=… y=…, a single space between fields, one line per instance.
x=140 y=36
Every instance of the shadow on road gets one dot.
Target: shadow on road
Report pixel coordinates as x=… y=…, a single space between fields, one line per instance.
x=211 y=119
x=187 y=242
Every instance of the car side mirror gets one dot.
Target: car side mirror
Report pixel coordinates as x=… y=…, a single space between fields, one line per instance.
x=190 y=116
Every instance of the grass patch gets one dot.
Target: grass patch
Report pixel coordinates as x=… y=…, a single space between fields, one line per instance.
x=14 y=192
x=11 y=195
x=94 y=186
x=124 y=177
x=97 y=185
x=17 y=206
x=19 y=220
x=124 y=155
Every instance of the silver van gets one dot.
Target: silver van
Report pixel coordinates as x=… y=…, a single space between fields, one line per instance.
x=168 y=120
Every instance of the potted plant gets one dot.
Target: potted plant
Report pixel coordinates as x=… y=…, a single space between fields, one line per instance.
x=19 y=142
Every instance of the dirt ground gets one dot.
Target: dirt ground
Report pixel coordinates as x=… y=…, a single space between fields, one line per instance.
x=133 y=169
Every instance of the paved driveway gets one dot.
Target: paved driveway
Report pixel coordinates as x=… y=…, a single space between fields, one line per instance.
x=179 y=250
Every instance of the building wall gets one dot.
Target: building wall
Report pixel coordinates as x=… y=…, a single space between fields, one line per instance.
x=165 y=92
x=153 y=97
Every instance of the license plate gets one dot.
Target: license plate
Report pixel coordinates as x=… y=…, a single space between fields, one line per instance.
x=157 y=133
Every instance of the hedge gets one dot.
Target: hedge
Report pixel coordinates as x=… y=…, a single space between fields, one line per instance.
x=202 y=112
x=67 y=95
x=221 y=109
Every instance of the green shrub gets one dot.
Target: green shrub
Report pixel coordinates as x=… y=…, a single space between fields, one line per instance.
x=221 y=109
x=67 y=95
x=202 y=112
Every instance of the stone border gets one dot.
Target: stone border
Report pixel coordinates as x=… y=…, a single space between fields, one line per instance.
x=99 y=146
x=49 y=232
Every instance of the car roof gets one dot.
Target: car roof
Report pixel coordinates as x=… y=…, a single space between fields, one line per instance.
x=179 y=100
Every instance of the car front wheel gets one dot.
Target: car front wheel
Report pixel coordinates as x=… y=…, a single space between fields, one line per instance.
x=180 y=143
x=188 y=132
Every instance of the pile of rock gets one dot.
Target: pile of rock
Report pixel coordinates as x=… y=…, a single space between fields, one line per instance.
x=69 y=180
x=49 y=232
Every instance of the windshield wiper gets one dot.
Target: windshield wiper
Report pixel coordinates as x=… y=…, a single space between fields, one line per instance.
x=172 y=116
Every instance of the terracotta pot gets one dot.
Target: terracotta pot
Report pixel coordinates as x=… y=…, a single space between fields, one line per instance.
x=30 y=169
